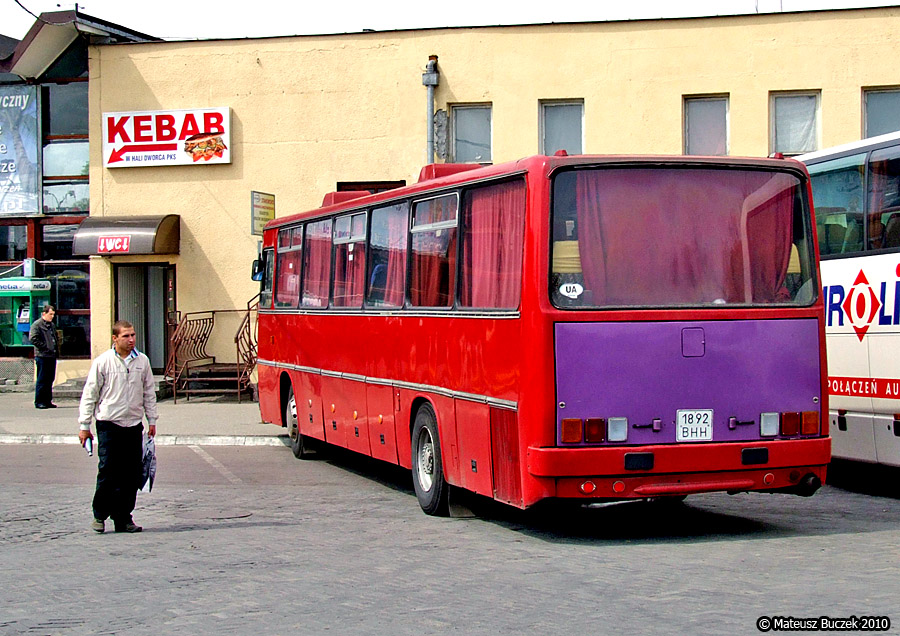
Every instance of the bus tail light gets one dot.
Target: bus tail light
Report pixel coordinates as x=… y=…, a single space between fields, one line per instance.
x=809 y=424
x=594 y=429
x=571 y=431
x=790 y=424
x=617 y=429
x=768 y=424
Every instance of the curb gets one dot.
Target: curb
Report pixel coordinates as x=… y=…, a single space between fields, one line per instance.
x=161 y=440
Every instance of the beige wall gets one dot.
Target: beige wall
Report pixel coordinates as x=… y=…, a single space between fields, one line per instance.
x=310 y=111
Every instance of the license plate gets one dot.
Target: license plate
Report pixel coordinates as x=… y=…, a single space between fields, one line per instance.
x=694 y=425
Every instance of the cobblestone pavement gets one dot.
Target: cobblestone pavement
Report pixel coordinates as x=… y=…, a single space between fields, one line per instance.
x=248 y=540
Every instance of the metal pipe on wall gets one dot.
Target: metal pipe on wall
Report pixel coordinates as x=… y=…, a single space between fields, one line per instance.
x=430 y=78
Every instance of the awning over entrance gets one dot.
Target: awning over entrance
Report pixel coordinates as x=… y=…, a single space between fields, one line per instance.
x=112 y=235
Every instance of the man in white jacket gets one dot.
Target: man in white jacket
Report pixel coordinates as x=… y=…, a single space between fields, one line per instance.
x=119 y=393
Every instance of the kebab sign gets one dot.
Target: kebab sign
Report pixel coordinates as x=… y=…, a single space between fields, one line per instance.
x=167 y=138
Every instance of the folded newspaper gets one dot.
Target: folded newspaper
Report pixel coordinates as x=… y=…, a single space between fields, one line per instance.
x=148 y=465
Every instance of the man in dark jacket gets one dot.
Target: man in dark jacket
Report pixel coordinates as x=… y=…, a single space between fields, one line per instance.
x=46 y=351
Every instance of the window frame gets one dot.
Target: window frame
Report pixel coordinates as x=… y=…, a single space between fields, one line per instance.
x=865 y=107
x=685 y=131
x=455 y=109
x=817 y=113
x=544 y=105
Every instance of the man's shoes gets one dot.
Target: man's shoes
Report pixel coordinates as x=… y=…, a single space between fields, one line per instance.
x=51 y=406
x=129 y=527
x=45 y=406
x=97 y=525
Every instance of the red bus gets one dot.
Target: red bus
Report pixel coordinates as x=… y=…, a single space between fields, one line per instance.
x=587 y=328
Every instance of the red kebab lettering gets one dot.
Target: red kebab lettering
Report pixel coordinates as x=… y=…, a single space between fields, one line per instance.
x=200 y=142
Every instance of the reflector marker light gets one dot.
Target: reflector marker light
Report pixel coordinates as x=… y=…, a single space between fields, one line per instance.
x=809 y=424
x=790 y=423
x=594 y=429
x=571 y=431
x=617 y=429
x=768 y=424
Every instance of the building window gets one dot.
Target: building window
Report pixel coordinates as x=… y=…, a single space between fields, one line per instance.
x=13 y=243
x=472 y=134
x=706 y=126
x=882 y=111
x=794 y=125
x=562 y=127
x=65 y=147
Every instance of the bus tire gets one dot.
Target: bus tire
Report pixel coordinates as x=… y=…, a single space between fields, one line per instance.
x=299 y=443
x=427 y=468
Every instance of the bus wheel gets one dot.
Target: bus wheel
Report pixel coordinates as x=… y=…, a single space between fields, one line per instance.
x=427 y=468
x=299 y=444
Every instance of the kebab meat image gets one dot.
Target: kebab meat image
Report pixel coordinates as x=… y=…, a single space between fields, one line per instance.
x=204 y=146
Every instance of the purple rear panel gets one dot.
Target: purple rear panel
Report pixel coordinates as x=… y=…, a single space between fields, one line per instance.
x=649 y=370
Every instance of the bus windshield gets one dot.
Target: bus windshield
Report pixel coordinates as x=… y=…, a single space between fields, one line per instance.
x=668 y=236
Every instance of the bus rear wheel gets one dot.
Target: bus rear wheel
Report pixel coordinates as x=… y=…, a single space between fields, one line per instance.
x=299 y=442
x=427 y=468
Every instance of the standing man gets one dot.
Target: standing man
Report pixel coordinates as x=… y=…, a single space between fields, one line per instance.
x=119 y=392
x=46 y=350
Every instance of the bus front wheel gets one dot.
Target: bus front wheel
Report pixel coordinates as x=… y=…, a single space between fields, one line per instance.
x=299 y=443
x=427 y=468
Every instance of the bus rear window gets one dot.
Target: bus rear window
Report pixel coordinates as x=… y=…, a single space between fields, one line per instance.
x=679 y=236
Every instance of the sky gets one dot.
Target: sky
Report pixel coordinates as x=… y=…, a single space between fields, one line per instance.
x=209 y=19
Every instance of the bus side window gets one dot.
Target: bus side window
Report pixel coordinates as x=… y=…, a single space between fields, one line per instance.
x=884 y=198
x=838 y=200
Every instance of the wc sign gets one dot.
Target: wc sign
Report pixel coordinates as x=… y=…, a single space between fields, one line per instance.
x=114 y=244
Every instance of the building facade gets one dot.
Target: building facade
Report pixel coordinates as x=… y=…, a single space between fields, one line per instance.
x=309 y=115
x=44 y=182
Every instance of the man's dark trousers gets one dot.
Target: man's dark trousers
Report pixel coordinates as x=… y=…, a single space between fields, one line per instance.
x=120 y=451
x=43 y=385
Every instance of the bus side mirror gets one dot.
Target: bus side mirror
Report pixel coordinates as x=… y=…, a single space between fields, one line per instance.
x=257 y=273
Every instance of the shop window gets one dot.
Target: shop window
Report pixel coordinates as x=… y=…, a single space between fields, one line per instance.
x=66 y=197
x=472 y=134
x=387 y=256
x=882 y=111
x=56 y=243
x=349 y=259
x=70 y=294
x=562 y=127
x=794 y=126
x=317 y=264
x=493 y=234
x=706 y=126
x=433 y=263
x=66 y=158
x=13 y=243
x=287 y=269
x=65 y=109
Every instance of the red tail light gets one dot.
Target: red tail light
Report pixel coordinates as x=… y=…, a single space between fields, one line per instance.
x=571 y=431
x=810 y=423
x=594 y=429
x=790 y=424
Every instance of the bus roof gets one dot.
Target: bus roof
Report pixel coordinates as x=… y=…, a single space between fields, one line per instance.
x=850 y=148
x=538 y=163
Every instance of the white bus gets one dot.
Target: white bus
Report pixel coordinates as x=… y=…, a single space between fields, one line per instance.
x=856 y=193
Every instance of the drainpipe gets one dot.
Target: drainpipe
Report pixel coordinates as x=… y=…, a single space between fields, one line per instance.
x=430 y=78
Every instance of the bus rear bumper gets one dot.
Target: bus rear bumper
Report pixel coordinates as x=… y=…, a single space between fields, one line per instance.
x=790 y=466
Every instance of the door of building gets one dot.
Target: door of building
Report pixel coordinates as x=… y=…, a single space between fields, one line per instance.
x=145 y=297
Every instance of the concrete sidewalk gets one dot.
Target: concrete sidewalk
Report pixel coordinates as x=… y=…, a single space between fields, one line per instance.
x=205 y=421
